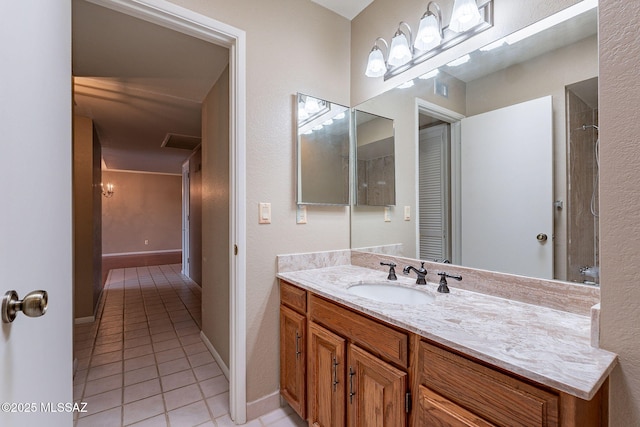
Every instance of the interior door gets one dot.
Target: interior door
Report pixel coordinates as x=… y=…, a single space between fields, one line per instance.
x=506 y=183
x=35 y=215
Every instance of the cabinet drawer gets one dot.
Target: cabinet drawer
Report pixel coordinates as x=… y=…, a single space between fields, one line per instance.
x=293 y=297
x=375 y=337
x=496 y=397
x=434 y=410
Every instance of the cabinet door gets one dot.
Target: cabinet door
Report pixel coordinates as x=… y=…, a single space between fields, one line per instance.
x=326 y=378
x=376 y=391
x=435 y=411
x=292 y=359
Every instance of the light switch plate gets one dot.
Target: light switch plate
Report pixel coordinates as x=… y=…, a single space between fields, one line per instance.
x=407 y=213
x=387 y=214
x=301 y=214
x=264 y=213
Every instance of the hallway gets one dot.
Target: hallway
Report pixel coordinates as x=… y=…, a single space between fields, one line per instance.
x=142 y=361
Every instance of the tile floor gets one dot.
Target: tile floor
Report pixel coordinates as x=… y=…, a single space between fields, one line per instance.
x=142 y=362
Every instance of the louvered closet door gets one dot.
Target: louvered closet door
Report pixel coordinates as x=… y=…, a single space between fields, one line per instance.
x=434 y=193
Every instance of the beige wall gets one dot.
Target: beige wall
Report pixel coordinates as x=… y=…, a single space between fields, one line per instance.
x=87 y=271
x=144 y=207
x=620 y=202
x=215 y=216
x=292 y=46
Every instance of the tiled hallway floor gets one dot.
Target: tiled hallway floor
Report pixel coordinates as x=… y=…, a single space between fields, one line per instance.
x=142 y=361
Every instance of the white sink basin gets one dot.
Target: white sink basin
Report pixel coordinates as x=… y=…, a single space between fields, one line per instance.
x=395 y=294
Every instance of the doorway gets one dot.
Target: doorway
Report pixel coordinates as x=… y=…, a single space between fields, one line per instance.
x=184 y=21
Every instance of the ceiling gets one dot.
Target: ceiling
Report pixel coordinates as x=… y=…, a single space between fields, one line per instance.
x=347 y=8
x=139 y=82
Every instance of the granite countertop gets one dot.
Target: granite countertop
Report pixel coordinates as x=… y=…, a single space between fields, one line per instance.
x=548 y=346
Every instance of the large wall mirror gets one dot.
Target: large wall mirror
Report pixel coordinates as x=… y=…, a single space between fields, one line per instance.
x=496 y=157
x=323 y=130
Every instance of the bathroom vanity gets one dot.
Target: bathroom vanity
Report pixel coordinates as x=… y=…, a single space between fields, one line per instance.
x=462 y=359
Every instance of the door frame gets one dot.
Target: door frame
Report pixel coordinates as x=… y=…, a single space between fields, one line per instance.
x=453 y=119
x=186 y=198
x=188 y=22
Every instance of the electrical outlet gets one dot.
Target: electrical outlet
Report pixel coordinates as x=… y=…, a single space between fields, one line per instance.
x=146 y=241
x=301 y=214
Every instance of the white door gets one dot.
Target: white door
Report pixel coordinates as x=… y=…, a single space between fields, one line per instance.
x=507 y=189
x=35 y=210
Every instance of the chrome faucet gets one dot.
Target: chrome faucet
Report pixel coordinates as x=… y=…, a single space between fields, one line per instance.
x=421 y=273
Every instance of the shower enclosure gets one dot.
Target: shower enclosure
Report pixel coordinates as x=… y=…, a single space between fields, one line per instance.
x=582 y=198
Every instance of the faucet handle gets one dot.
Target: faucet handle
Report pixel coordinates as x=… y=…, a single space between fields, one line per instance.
x=392 y=270
x=443 y=288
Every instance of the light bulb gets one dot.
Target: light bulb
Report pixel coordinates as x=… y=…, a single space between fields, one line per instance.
x=399 y=52
x=428 y=35
x=465 y=15
x=375 y=64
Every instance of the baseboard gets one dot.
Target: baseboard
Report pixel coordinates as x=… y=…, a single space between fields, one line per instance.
x=216 y=355
x=125 y=254
x=263 y=406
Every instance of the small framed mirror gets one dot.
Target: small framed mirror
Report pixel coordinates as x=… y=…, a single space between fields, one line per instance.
x=322 y=151
x=375 y=160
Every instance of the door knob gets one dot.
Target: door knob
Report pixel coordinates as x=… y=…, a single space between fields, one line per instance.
x=541 y=237
x=34 y=304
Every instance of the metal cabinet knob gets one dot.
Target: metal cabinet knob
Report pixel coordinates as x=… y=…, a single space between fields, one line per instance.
x=34 y=304
x=541 y=237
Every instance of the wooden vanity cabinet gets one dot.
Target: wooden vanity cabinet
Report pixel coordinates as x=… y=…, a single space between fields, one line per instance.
x=293 y=333
x=339 y=367
x=456 y=391
x=364 y=388
x=326 y=379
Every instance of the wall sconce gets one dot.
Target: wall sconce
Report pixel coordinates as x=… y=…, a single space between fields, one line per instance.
x=468 y=19
x=108 y=191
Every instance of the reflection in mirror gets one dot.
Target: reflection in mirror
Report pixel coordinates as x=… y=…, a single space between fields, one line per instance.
x=558 y=62
x=323 y=151
x=375 y=160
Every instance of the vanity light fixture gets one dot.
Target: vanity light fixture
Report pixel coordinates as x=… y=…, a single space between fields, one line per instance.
x=430 y=31
x=468 y=19
x=376 y=65
x=465 y=15
x=400 y=51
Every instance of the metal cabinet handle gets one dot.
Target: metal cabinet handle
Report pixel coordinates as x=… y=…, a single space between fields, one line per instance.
x=351 y=392
x=34 y=304
x=298 y=352
x=335 y=373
